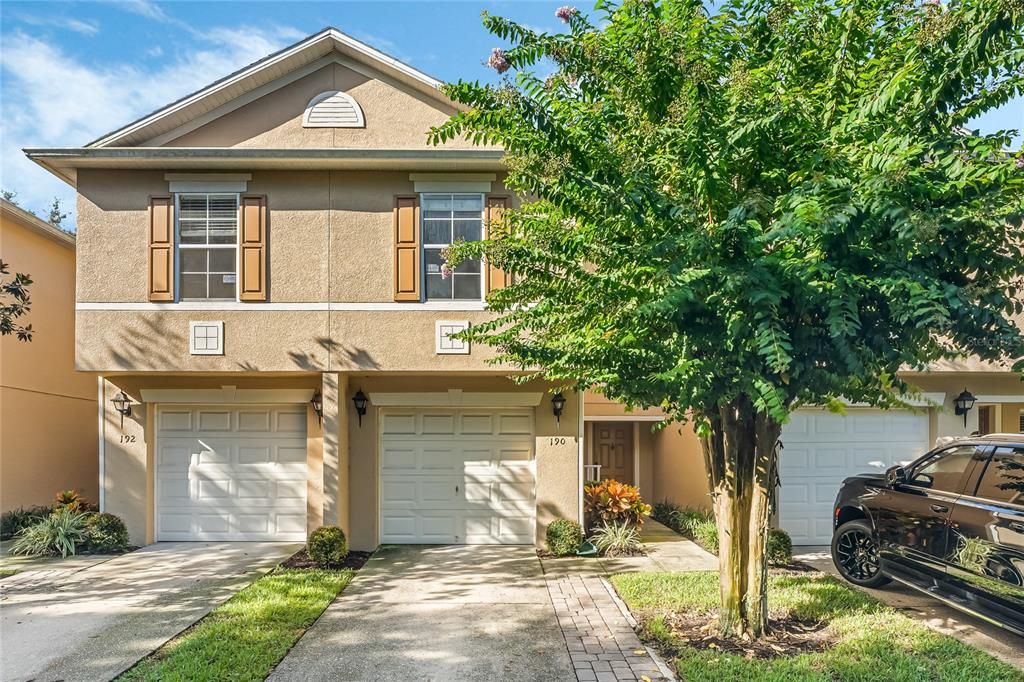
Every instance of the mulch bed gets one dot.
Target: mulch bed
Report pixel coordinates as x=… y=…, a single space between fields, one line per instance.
x=300 y=559
x=789 y=637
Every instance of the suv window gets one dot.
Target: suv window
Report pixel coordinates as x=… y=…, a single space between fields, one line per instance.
x=945 y=470
x=1003 y=480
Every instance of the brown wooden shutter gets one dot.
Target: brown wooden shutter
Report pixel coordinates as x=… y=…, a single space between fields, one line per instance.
x=496 y=278
x=161 y=248
x=407 y=248
x=252 y=248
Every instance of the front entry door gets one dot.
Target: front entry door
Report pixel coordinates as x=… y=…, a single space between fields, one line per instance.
x=613 y=450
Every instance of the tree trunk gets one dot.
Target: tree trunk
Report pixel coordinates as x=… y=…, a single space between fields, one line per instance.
x=740 y=459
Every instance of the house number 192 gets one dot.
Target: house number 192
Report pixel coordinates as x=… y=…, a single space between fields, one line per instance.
x=127 y=438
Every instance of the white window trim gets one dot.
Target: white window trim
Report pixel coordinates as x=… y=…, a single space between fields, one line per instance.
x=207 y=183
x=424 y=246
x=178 y=246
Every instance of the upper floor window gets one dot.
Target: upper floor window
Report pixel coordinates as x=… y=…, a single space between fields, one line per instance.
x=448 y=218
x=207 y=246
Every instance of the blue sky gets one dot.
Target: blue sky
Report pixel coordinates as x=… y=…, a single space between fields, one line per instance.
x=72 y=71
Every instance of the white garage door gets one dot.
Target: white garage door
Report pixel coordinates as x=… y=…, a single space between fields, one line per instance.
x=820 y=449
x=457 y=477
x=231 y=473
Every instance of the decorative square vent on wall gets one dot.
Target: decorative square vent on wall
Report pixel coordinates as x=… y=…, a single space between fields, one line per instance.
x=446 y=345
x=206 y=337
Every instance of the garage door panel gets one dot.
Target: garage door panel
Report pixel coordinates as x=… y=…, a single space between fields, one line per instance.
x=462 y=476
x=231 y=473
x=821 y=449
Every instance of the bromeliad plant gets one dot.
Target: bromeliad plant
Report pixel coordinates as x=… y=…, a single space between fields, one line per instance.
x=741 y=210
x=613 y=502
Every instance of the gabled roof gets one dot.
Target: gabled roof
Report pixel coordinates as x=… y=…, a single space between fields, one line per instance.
x=263 y=72
x=12 y=211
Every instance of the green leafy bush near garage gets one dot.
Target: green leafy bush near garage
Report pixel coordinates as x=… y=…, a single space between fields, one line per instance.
x=564 y=537
x=105 y=534
x=327 y=546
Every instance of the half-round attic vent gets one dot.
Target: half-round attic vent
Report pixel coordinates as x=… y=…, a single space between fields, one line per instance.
x=333 y=109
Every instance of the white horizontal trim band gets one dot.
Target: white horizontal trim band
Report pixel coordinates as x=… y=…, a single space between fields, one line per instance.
x=227 y=395
x=227 y=306
x=455 y=397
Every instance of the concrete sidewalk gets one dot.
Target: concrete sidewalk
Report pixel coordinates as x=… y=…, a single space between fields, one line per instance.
x=992 y=639
x=88 y=619
x=667 y=552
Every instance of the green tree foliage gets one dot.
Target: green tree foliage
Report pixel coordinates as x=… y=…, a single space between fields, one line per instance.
x=14 y=303
x=742 y=210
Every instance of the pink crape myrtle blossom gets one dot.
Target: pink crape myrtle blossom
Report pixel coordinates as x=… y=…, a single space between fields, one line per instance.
x=566 y=12
x=497 y=61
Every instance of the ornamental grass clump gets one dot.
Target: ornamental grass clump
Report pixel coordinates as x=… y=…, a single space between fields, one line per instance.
x=59 y=533
x=617 y=539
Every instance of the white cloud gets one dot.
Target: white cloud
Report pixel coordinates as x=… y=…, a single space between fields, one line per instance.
x=85 y=27
x=144 y=8
x=51 y=99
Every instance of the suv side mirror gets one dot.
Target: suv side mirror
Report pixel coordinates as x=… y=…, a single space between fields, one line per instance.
x=896 y=475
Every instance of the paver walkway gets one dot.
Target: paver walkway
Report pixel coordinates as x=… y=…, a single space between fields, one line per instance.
x=599 y=634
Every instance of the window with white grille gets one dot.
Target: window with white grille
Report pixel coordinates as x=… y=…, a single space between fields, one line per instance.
x=207 y=246
x=448 y=218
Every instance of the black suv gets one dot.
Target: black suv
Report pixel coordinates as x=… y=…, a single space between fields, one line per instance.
x=951 y=524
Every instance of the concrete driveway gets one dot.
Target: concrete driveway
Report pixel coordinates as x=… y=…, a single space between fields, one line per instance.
x=94 y=619
x=437 y=613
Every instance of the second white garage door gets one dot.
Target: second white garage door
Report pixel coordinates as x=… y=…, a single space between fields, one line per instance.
x=231 y=473
x=821 y=448
x=457 y=477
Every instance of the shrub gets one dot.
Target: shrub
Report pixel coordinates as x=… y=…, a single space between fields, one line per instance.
x=617 y=539
x=327 y=546
x=780 y=547
x=14 y=521
x=705 y=533
x=105 y=534
x=59 y=533
x=564 y=537
x=74 y=500
x=612 y=502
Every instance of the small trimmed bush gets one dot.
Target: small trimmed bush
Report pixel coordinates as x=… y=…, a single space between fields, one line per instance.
x=564 y=537
x=105 y=534
x=16 y=520
x=327 y=546
x=780 y=547
x=59 y=533
x=617 y=539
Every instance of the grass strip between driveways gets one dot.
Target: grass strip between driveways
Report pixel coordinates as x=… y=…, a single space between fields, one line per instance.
x=871 y=641
x=245 y=637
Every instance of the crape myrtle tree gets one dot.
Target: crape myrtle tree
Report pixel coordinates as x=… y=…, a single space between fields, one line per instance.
x=740 y=210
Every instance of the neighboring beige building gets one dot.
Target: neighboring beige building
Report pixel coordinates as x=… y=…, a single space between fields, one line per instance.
x=273 y=240
x=48 y=417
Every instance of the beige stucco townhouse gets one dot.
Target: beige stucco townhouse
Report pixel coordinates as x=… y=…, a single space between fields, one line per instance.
x=259 y=284
x=48 y=426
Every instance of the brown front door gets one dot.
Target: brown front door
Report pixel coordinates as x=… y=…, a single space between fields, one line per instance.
x=613 y=450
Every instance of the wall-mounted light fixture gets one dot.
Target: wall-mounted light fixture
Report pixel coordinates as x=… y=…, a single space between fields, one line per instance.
x=558 y=406
x=317 y=401
x=123 y=405
x=360 y=400
x=963 y=404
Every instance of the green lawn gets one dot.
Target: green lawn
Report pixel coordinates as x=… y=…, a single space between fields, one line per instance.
x=7 y=572
x=872 y=641
x=244 y=638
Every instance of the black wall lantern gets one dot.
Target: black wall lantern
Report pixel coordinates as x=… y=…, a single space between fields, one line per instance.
x=963 y=404
x=123 y=405
x=557 y=406
x=317 y=401
x=360 y=400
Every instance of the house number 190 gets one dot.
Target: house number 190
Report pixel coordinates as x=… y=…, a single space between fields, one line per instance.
x=557 y=441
